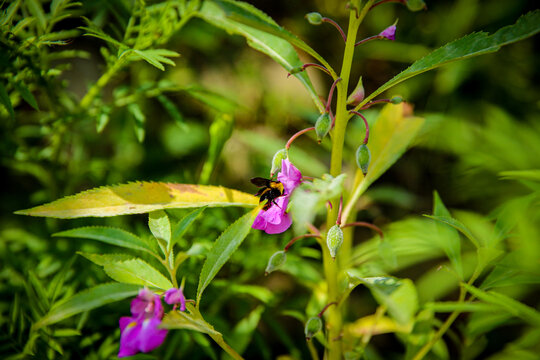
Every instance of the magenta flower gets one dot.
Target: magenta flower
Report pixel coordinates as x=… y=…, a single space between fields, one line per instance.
x=139 y=332
x=175 y=296
x=389 y=32
x=276 y=220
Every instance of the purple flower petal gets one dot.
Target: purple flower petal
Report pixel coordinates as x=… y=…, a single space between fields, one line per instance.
x=129 y=340
x=175 y=296
x=289 y=176
x=285 y=223
x=150 y=337
x=389 y=32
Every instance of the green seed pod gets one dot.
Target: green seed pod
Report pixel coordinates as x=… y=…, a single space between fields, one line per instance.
x=334 y=239
x=363 y=157
x=357 y=95
x=275 y=261
x=313 y=326
x=276 y=161
x=416 y=5
x=396 y=100
x=314 y=18
x=322 y=126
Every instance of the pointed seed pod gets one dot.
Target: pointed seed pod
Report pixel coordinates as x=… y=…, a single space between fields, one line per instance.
x=363 y=157
x=275 y=262
x=313 y=326
x=357 y=95
x=279 y=156
x=334 y=239
x=314 y=18
x=416 y=5
x=396 y=100
x=322 y=126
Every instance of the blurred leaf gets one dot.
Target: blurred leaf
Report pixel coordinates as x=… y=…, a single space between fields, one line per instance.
x=109 y=235
x=190 y=321
x=34 y=6
x=223 y=248
x=160 y=226
x=138 y=198
x=512 y=306
x=4 y=97
x=212 y=99
x=87 y=300
x=139 y=120
x=26 y=94
x=468 y=46
x=232 y=17
x=389 y=139
x=103 y=259
x=451 y=242
x=450 y=306
x=242 y=333
x=171 y=109
x=181 y=227
x=375 y=325
x=456 y=224
x=220 y=131
x=532 y=175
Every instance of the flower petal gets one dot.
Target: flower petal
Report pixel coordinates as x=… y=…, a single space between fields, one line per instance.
x=175 y=296
x=389 y=32
x=150 y=336
x=289 y=176
x=129 y=340
x=285 y=223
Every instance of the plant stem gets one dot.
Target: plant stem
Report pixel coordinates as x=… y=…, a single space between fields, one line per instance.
x=218 y=338
x=102 y=81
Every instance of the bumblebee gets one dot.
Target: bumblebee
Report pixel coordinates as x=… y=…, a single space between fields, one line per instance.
x=270 y=190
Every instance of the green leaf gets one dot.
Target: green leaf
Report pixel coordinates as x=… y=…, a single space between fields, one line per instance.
x=109 y=235
x=154 y=56
x=4 y=98
x=514 y=307
x=190 y=321
x=468 y=46
x=139 y=120
x=160 y=226
x=87 y=300
x=456 y=224
x=223 y=248
x=136 y=271
x=212 y=99
x=172 y=110
x=532 y=175
x=139 y=198
x=103 y=259
x=450 y=306
x=220 y=131
x=34 y=6
x=243 y=331
x=388 y=140
x=237 y=17
x=450 y=238
x=26 y=94
x=181 y=227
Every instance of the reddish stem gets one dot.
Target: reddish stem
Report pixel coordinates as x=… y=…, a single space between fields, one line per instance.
x=297 y=135
x=328 y=20
x=313 y=229
x=374 y=37
x=404 y=2
x=366 y=138
x=290 y=243
x=325 y=308
x=329 y=101
x=365 y=224
x=305 y=66
x=338 y=221
x=375 y=102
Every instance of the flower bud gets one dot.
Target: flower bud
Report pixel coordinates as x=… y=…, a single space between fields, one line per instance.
x=416 y=5
x=334 y=239
x=313 y=326
x=389 y=33
x=363 y=157
x=357 y=95
x=322 y=126
x=396 y=100
x=275 y=261
x=276 y=161
x=314 y=18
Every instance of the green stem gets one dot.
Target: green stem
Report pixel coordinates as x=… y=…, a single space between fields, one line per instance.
x=218 y=338
x=102 y=81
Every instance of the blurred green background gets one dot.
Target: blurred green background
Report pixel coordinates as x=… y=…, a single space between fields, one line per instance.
x=482 y=118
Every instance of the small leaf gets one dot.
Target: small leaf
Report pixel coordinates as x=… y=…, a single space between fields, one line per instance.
x=34 y=6
x=212 y=99
x=87 y=300
x=109 y=235
x=139 y=198
x=26 y=95
x=139 y=120
x=190 y=321
x=457 y=225
x=181 y=227
x=172 y=110
x=223 y=248
x=220 y=131
x=375 y=325
x=450 y=306
x=160 y=226
x=4 y=98
x=137 y=271
x=242 y=333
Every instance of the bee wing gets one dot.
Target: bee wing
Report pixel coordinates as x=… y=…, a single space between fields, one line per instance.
x=260 y=182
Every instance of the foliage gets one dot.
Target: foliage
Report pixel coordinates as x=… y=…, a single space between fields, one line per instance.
x=153 y=113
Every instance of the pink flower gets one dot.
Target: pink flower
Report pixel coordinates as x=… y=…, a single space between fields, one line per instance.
x=139 y=332
x=276 y=220
x=389 y=32
x=175 y=296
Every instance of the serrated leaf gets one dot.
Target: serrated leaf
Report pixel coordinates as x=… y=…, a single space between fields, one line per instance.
x=109 y=235
x=223 y=248
x=160 y=226
x=26 y=94
x=389 y=139
x=4 y=98
x=236 y=17
x=87 y=300
x=136 y=271
x=103 y=259
x=512 y=306
x=468 y=46
x=139 y=198
x=458 y=225
x=191 y=321
x=181 y=227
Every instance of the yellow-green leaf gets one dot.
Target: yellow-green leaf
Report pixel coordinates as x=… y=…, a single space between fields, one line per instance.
x=138 y=198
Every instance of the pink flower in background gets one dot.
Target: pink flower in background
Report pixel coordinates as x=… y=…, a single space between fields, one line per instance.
x=275 y=220
x=139 y=332
x=389 y=32
x=175 y=296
